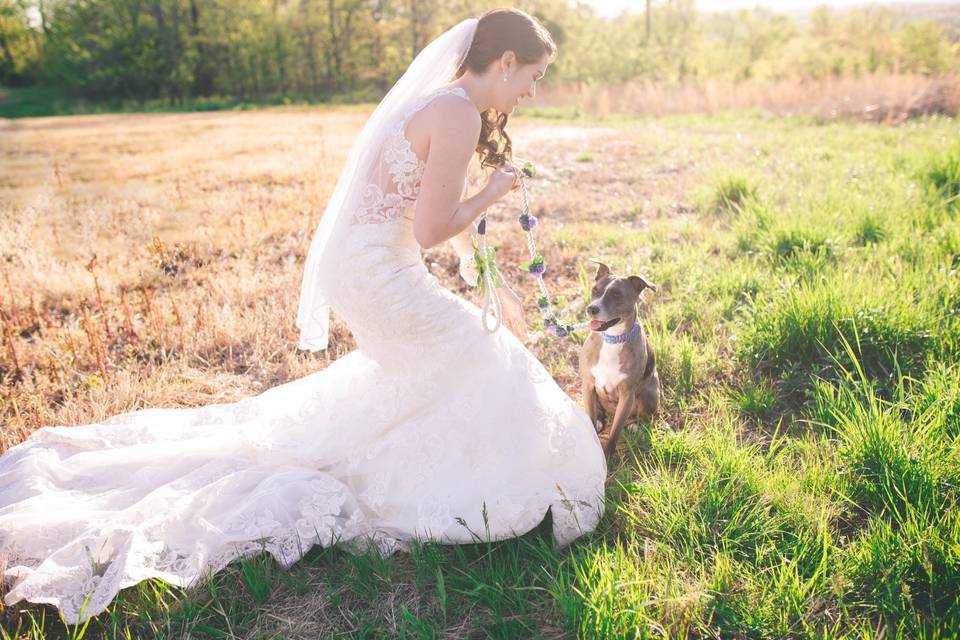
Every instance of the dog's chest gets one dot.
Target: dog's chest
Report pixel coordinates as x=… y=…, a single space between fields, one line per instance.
x=607 y=373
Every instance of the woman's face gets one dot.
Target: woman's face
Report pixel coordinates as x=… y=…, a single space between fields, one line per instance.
x=521 y=83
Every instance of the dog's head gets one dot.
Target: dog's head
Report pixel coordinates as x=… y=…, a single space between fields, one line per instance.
x=614 y=299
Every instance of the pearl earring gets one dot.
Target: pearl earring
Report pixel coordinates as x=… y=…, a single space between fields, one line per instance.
x=504 y=78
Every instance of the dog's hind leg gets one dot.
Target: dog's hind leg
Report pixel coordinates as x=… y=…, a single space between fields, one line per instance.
x=648 y=399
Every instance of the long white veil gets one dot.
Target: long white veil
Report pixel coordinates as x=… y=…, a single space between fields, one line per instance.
x=433 y=67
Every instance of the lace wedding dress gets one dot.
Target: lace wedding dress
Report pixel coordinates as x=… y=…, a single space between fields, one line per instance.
x=431 y=429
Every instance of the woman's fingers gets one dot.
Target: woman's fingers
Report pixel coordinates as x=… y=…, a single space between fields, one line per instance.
x=509 y=322
x=512 y=313
x=513 y=170
x=516 y=176
x=517 y=325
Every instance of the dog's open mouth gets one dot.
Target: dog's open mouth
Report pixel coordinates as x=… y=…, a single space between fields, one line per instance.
x=597 y=325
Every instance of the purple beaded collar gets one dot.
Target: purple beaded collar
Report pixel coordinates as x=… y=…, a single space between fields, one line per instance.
x=623 y=337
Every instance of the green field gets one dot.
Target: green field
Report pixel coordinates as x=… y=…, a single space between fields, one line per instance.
x=802 y=477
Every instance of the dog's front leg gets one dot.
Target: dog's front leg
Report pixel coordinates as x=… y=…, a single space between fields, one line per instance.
x=620 y=417
x=592 y=405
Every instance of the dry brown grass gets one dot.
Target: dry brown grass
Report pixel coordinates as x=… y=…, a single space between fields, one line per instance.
x=889 y=99
x=155 y=260
x=140 y=253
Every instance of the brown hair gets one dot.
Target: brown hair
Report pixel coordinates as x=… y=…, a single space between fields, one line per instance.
x=502 y=30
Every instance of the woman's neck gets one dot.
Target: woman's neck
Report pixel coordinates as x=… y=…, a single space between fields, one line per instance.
x=477 y=89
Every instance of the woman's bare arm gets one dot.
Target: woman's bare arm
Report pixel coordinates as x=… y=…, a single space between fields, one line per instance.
x=440 y=214
x=461 y=242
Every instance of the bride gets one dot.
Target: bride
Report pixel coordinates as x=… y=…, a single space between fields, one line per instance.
x=432 y=429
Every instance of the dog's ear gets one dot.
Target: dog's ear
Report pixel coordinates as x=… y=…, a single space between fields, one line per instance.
x=602 y=269
x=639 y=283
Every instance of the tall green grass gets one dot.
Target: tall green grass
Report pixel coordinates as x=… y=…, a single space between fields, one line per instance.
x=798 y=332
x=900 y=476
x=941 y=174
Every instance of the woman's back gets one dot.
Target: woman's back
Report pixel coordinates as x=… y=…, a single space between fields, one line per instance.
x=395 y=178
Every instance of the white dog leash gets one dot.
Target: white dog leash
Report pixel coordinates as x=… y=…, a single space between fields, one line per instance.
x=488 y=268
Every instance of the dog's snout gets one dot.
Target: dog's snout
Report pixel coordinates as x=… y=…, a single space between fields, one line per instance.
x=593 y=309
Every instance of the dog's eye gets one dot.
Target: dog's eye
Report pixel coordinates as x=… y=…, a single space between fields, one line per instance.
x=615 y=294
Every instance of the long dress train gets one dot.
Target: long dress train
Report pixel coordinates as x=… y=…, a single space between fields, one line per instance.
x=432 y=429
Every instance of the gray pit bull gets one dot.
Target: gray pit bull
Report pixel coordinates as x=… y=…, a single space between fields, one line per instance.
x=617 y=364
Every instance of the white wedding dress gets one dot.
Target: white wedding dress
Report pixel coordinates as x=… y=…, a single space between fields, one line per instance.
x=431 y=429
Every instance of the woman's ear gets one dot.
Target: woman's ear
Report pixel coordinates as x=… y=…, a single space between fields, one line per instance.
x=508 y=60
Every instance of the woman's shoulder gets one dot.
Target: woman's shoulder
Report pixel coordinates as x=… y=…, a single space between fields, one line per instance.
x=444 y=115
x=451 y=109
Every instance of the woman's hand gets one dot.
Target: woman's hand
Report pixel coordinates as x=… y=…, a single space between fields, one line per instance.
x=512 y=310
x=503 y=180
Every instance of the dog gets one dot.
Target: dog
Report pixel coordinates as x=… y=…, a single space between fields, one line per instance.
x=618 y=368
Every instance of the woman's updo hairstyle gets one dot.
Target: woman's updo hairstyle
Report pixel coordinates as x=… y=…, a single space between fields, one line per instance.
x=502 y=30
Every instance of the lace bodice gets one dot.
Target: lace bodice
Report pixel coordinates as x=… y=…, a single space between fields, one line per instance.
x=395 y=183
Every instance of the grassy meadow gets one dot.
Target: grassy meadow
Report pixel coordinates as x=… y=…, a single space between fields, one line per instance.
x=800 y=481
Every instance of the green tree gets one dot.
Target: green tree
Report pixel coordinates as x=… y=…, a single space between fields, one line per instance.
x=925 y=48
x=19 y=44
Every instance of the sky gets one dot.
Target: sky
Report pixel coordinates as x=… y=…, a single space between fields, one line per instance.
x=612 y=8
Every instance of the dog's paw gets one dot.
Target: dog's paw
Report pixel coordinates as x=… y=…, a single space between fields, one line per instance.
x=605 y=444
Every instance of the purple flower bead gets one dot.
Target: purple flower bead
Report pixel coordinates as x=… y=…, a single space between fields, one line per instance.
x=531 y=223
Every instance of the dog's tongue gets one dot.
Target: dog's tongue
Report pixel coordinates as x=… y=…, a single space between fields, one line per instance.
x=595 y=325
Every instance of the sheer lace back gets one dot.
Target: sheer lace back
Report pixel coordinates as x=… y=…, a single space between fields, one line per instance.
x=395 y=179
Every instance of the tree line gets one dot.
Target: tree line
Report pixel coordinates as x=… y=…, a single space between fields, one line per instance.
x=180 y=51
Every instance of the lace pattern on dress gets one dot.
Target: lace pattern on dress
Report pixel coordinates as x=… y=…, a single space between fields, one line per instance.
x=381 y=203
